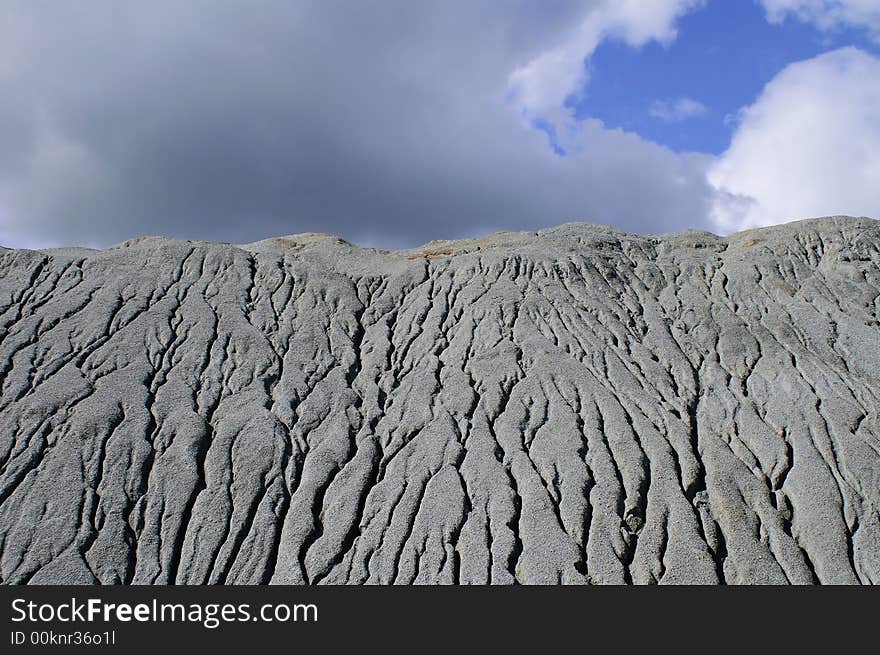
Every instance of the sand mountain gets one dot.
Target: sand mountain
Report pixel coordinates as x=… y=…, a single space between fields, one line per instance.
x=576 y=405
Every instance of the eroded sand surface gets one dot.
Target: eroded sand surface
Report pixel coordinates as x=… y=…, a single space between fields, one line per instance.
x=577 y=405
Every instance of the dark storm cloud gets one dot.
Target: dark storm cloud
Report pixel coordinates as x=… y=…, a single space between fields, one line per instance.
x=387 y=124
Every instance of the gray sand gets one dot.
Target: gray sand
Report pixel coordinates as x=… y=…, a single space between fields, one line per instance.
x=579 y=405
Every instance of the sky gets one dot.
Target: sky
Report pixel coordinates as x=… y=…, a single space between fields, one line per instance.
x=395 y=122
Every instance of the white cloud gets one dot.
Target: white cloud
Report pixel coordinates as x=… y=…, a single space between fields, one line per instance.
x=676 y=111
x=540 y=88
x=809 y=146
x=828 y=14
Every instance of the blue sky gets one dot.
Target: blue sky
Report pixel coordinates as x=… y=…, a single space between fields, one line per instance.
x=395 y=122
x=723 y=56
